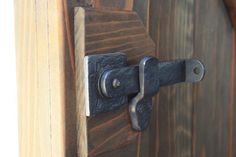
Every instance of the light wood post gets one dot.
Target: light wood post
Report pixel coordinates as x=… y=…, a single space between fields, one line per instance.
x=42 y=47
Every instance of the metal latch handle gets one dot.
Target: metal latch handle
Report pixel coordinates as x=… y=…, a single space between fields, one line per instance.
x=111 y=81
x=153 y=75
x=125 y=81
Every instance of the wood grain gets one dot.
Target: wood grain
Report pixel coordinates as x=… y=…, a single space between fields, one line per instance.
x=40 y=79
x=213 y=45
x=142 y=9
x=106 y=31
x=113 y=4
x=46 y=89
x=50 y=120
x=108 y=4
x=231 y=8
x=171 y=27
x=231 y=106
x=189 y=120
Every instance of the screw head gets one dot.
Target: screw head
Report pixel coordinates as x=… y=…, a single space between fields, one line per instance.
x=196 y=70
x=116 y=83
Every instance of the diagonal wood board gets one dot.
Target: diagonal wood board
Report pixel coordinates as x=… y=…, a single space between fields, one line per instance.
x=105 y=31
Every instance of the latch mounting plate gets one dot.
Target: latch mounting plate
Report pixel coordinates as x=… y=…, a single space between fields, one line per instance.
x=95 y=65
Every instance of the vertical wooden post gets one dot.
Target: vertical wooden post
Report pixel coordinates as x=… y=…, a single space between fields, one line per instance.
x=42 y=58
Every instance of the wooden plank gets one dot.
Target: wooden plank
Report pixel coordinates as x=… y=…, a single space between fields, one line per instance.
x=45 y=78
x=142 y=8
x=70 y=95
x=171 y=27
x=232 y=111
x=213 y=45
x=231 y=6
x=103 y=31
x=231 y=106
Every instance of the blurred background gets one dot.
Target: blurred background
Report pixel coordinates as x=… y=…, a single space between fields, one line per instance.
x=8 y=94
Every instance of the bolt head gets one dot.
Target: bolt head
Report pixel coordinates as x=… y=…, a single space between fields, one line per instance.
x=116 y=83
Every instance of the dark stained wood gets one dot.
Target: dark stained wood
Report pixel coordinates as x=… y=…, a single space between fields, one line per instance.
x=213 y=45
x=231 y=6
x=108 y=4
x=106 y=31
x=112 y=131
x=142 y=9
x=233 y=102
x=231 y=107
x=113 y=4
x=187 y=120
x=113 y=31
x=171 y=26
x=70 y=98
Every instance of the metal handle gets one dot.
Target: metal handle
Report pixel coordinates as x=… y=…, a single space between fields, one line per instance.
x=153 y=75
x=111 y=81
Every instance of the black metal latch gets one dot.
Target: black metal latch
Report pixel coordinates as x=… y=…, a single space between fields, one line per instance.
x=110 y=82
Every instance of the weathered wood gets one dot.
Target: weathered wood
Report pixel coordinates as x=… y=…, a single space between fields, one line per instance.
x=104 y=31
x=213 y=45
x=45 y=79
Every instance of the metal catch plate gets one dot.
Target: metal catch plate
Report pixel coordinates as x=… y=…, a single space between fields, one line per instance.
x=95 y=66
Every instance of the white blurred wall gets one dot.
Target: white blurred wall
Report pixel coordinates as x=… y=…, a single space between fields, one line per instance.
x=8 y=96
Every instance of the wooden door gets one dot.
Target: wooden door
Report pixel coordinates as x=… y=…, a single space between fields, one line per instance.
x=188 y=120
